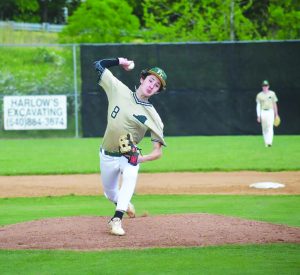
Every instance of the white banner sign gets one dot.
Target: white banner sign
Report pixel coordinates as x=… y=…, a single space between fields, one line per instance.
x=35 y=112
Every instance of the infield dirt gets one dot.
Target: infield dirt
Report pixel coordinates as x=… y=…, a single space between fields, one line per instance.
x=91 y=233
x=160 y=183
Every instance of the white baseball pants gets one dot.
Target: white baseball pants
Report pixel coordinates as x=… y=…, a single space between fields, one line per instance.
x=112 y=170
x=267 y=121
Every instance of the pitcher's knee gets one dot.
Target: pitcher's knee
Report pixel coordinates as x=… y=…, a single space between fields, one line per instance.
x=112 y=196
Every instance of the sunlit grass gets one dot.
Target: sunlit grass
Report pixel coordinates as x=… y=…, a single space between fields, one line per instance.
x=193 y=154
x=276 y=209
x=266 y=259
x=10 y=36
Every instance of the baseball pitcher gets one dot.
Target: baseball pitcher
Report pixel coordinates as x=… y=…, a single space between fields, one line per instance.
x=130 y=115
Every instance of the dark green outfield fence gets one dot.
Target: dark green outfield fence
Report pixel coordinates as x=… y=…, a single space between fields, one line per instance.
x=211 y=87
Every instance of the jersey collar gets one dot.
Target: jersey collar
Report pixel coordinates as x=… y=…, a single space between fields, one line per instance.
x=139 y=101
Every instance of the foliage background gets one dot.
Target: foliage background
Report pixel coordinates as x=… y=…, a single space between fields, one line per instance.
x=101 y=21
x=94 y=21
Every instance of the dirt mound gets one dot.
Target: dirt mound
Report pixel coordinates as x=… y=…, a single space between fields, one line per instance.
x=91 y=233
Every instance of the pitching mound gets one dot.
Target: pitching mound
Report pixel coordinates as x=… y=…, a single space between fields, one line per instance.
x=91 y=233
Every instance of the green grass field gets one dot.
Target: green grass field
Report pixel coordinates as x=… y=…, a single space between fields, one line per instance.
x=247 y=259
x=201 y=153
x=276 y=209
x=9 y=36
x=63 y=156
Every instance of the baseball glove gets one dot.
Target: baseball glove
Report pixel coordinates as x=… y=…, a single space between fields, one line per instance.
x=277 y=121
x=128 y=149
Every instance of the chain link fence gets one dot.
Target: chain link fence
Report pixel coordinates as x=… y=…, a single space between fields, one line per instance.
x=41 y=70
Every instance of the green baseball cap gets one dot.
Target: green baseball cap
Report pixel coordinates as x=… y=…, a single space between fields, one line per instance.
x=265 y=83
x=160 y=74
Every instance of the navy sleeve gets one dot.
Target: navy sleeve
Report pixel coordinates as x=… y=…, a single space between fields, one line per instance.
x=105 y=63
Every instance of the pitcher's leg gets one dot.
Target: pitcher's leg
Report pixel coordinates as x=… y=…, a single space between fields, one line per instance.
x=129 y=179
x=110 y=174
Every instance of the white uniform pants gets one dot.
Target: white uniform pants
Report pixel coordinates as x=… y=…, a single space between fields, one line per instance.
x=112 y=170
x=267 y=121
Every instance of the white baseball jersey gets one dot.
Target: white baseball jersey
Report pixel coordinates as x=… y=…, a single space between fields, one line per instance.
x=127 y=114
x=266 y=100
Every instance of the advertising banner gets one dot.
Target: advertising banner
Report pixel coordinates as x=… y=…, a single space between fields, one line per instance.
x=35 y=112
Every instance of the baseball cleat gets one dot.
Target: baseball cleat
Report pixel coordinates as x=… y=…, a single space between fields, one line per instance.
x=130 y=211
x=116 y=227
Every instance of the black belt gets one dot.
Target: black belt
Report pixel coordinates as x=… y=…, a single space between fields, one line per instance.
x=112 y=154
x=266 y=109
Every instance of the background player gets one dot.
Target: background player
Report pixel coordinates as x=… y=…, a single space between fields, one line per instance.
x=267 y=110
x=129 y=112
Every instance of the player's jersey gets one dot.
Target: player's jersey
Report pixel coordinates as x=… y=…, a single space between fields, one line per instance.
x=266 y=100
x=127 y=114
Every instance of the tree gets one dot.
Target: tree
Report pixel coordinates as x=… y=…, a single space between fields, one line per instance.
x=53 y=10
x=101 y=22
x=206 y=20
x=33 y=11
x=48 y=7
x=284 y=19
x=137 y=7
x=19 y=10
x=167 y=20
x=276 y=19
